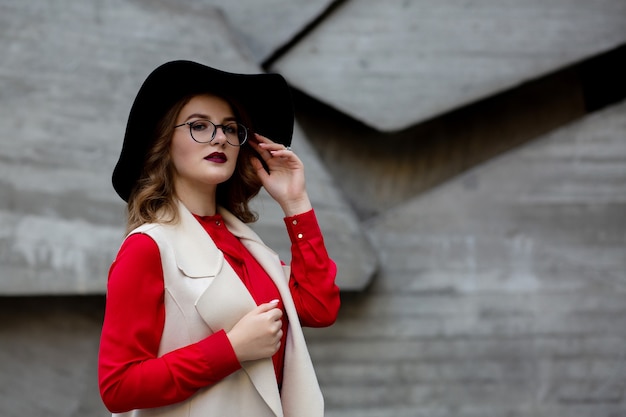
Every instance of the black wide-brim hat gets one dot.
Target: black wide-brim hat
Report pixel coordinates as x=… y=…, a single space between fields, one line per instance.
x=265 y=97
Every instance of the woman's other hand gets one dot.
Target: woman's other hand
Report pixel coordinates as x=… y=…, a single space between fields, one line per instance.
x=257 y=335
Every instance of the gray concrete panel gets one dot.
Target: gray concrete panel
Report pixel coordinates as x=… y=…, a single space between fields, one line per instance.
x=501 y=292
x=266 y=26
x=68 y=75
x=49 y=356
x=395 y=63
x=377 y=171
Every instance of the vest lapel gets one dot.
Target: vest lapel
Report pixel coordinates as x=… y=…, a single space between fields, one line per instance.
x=225 y=301
x=196 y=254
x=301 y=395
x=228 y=293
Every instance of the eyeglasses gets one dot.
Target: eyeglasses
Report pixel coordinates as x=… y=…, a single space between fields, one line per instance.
x=204 y=131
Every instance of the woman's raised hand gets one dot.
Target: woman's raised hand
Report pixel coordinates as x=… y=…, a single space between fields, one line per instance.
x=285 y=180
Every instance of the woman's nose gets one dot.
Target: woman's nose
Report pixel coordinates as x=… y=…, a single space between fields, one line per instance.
x=220 y=136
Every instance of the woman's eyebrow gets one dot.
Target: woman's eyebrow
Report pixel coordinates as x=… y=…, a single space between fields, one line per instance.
x=207 y=117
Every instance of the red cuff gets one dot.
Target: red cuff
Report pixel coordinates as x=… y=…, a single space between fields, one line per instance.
x=303 y=226
x=219 y=355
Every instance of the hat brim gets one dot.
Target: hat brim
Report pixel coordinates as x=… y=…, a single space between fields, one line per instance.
x=265 y=97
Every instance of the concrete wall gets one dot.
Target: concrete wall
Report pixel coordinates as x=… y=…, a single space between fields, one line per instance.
x=48 y=356
x=377 y=171
x=501 y=291
x=395 y=63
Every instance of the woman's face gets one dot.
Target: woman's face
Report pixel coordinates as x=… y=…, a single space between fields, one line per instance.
x=200 y=167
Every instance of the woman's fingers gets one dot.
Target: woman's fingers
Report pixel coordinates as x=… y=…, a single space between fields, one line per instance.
x=257 y=334
x=268 y=148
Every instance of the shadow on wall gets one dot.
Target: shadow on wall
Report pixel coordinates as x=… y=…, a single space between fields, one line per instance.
x=377 y=170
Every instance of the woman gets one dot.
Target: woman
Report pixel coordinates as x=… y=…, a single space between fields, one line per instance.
x=202 y=319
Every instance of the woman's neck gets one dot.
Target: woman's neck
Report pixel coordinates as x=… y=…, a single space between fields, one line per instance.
x=199 y=202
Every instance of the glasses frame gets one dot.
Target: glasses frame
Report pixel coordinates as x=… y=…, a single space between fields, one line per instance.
x=222 y=126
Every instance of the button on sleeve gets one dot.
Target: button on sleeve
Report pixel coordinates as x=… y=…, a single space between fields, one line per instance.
x=303 y=227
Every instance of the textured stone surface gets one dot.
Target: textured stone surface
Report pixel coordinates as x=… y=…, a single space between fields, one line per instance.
x=377 y=171
x=395 y=63
x=265 y=26
x=500 y=292
x=69 y=73
x=48 y=357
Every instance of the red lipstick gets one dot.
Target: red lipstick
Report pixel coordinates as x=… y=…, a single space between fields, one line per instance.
x=217 y=157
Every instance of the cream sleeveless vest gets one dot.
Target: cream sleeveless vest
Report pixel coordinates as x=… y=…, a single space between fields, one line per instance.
x=203 y=295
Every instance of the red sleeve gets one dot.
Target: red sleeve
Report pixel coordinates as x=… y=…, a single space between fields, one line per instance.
x=130 y=373
x=312 y=280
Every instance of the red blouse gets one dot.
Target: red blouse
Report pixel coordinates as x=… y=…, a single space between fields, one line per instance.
x=132 y=376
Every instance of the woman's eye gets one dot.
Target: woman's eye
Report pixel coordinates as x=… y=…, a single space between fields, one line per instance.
x=199 y=126
x=230 y=129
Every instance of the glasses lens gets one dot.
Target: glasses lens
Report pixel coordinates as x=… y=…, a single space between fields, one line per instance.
x=236 y=133
x=202 y=131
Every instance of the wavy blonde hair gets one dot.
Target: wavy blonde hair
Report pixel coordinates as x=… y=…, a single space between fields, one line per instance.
x=153 y=198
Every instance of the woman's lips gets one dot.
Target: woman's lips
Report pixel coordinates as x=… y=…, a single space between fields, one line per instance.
x=217 y=157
